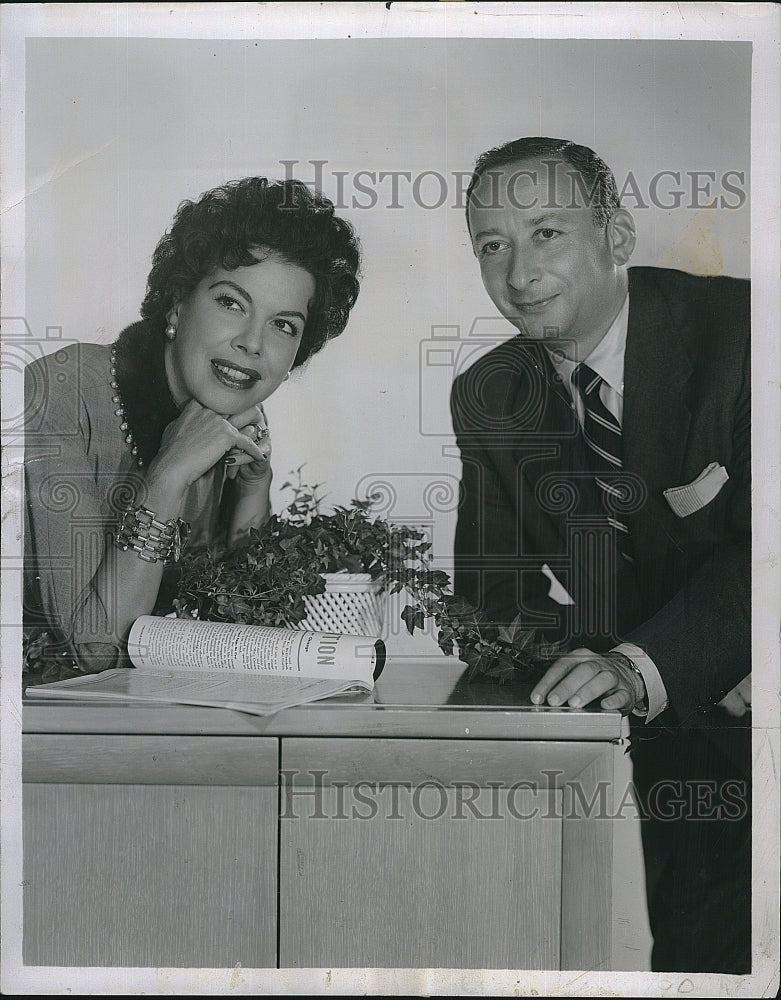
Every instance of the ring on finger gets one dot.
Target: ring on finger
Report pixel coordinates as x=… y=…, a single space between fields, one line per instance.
x=261 y=432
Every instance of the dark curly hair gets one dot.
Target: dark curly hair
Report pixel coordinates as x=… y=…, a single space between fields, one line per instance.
x=602 y=189
x=229 y=224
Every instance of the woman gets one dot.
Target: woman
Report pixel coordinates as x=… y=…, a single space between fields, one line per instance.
x=133 y=448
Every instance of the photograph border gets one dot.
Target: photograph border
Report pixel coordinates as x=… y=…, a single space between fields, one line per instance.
x=757 y=23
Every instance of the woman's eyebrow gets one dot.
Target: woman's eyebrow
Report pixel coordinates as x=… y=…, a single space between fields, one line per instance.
x=242 y=291
x=234 y=286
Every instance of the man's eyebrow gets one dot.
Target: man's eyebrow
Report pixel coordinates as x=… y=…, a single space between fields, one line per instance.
x=547 y=217
x=538 y=220
x=234 y=286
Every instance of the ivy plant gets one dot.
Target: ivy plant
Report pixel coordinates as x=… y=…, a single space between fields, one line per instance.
x=263 y=581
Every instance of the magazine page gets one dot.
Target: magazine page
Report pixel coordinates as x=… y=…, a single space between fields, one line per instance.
x=239 y=691
x=187 y=644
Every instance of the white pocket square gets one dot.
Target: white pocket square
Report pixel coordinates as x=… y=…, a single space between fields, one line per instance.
x=556 y=592
x=686 y=500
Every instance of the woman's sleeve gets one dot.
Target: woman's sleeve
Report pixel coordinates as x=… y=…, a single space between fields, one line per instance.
x=65 y=520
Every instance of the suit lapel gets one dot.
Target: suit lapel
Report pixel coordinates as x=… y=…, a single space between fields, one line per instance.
x=553 y=445
x=656 y=413
x=655 y=429
x=551 y=461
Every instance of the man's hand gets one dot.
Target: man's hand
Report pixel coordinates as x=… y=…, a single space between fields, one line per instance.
x=738 y=701
x=581 y=676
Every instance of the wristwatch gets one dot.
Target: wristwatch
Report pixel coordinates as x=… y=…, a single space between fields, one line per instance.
x=641 y=705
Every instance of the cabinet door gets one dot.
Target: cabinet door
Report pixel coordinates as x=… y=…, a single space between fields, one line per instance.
x=150 y=851
x=431 y=853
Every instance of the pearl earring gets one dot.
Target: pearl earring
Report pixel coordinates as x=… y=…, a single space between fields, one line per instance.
x=170 y=332
x=286 y=377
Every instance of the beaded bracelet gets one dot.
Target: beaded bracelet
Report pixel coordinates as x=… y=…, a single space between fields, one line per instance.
x=150 y=539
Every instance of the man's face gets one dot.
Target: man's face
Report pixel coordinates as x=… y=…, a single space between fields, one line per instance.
x=545 y=264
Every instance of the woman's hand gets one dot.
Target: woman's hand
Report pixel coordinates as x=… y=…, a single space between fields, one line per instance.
x=193 y=444
x=251 y=472
x=252 y=475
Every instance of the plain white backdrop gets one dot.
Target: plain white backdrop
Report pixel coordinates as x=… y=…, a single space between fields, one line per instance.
x=118 y=131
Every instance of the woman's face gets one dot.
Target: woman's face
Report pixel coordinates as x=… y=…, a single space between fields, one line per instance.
x=237 y=334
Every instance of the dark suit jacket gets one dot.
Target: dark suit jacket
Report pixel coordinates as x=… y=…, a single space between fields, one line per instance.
x=526 y=498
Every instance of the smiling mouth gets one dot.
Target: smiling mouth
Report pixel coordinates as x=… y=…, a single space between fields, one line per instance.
x=537 y=306
x=234 y=376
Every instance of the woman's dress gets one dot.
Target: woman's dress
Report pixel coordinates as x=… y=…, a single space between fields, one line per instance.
x=80 y=474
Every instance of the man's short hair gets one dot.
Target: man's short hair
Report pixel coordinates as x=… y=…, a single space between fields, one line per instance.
x=596 y=174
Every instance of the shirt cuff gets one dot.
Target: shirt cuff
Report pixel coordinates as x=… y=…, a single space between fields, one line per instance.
x=654 y=685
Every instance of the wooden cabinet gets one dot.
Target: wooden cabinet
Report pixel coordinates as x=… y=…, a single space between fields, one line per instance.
x=415 y=853
x=340 y=835
x=150 y=851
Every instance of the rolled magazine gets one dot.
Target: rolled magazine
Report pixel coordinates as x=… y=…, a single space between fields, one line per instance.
x=248 y=668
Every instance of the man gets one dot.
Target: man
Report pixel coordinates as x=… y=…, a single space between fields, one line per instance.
x=606 y=502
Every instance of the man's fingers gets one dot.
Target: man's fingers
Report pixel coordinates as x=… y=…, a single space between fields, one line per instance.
x=560 y=669
x=551 y=677
x=581 y=677
x=605 y=682
x=585 y=683
x=618 y=700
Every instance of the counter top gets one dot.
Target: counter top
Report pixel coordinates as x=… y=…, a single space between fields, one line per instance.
x=412 y=699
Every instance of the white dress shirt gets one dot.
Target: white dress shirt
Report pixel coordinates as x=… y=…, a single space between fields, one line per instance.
x=607 y=360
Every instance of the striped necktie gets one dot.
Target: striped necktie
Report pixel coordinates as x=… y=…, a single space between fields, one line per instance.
x=602 y=433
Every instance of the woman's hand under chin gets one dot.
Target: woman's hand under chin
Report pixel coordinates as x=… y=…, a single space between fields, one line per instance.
x=251 y=473
x=193 y=444
x=251 y=476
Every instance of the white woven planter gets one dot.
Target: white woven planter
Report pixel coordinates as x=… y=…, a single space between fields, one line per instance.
x=352 y=603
